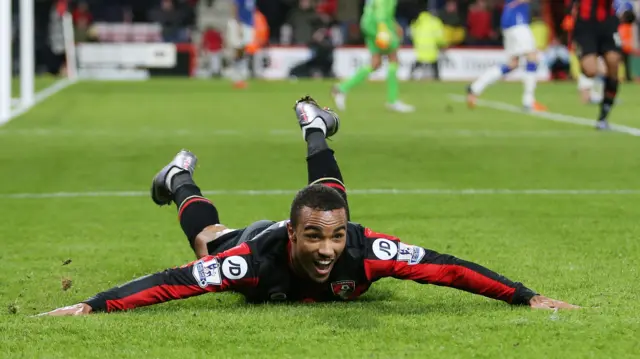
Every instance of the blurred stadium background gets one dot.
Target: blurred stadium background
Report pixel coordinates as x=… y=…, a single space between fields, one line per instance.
x=193 y=33
x=542 y=198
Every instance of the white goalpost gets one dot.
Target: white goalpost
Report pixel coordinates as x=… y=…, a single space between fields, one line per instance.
x=9 y=108
x=26 y=47
x=5 y=60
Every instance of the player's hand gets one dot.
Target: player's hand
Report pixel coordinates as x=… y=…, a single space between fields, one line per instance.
x=72 y=310
x=542 y=302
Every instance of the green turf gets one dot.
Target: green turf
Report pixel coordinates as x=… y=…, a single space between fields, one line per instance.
x=582 y=248
x=40 y=83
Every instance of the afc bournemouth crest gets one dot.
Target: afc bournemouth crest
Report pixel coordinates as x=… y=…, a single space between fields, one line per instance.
x=343 y=288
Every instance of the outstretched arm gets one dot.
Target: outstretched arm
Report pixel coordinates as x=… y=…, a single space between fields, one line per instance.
x=230 y=270
x=388 y=257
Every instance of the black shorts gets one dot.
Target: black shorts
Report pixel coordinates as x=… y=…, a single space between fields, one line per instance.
x=237 y=237
x=597 y=37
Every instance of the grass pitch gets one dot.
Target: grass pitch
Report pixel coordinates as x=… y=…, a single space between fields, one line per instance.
x=77 y=168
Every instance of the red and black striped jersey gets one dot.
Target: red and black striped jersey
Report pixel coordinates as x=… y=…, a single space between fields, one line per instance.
x=592 y=10
x=260 y=270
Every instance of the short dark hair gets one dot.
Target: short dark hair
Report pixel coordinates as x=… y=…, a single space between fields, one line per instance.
x=318 y=197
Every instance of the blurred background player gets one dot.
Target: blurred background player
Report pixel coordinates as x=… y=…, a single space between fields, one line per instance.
x=591 y=89
x=382 y=36
x=596 y=34
x=427 y=33
x=518 y=42
x=240 y=34
x=212 y=50
x=556 y=57
x=261 y=33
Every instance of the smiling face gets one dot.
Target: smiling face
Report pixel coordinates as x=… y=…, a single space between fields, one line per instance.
x=317 y=241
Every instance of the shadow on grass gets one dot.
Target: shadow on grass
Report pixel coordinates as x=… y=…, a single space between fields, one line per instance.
x=370 y=311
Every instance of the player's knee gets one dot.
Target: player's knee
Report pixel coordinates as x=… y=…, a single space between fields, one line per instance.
x=589 y=69
x=589 y=65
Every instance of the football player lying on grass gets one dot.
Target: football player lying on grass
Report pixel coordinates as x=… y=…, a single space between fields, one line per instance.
x=317 y=255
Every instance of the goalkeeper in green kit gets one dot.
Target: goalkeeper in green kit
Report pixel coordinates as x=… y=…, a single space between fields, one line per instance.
x=382 y=37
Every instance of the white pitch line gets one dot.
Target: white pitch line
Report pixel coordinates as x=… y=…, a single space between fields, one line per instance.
x=41 y=96
x=373 y=191
x=498 y=133
x=440 y=133
x=551 y=116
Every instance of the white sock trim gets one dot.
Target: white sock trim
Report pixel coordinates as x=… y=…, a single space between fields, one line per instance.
x=172 y=172
x=316 y=123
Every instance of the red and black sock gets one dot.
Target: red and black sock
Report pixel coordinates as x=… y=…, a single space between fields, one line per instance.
x=316 y=141
x=322 y=166
x=194 y=211
x=610 y=92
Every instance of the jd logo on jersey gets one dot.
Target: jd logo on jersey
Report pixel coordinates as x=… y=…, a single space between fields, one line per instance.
x=343 y=288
